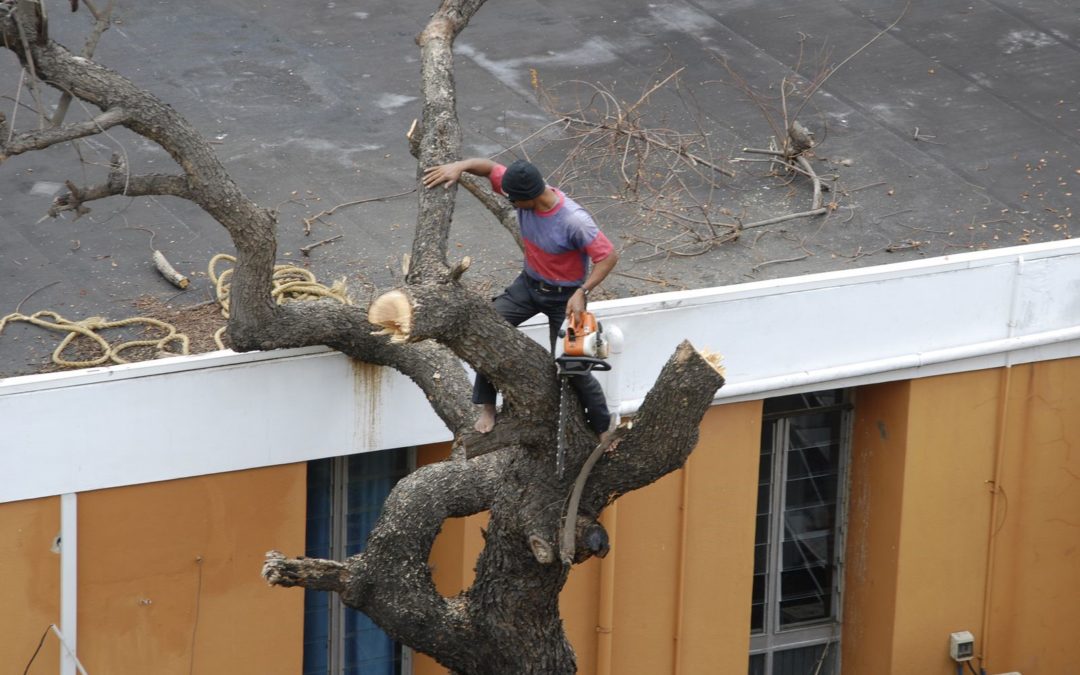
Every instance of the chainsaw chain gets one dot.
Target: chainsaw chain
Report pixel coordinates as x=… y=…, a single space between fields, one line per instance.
x=560 y=453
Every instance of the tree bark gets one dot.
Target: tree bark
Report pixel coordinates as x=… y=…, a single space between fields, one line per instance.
x=508 y=620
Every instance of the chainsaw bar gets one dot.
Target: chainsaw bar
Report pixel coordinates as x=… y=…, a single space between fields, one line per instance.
x=560 y=453
x=571 y=366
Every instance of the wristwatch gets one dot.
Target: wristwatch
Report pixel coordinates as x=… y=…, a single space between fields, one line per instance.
x=585 y=291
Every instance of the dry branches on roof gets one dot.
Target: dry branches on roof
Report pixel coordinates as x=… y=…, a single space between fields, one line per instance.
x=664 y=177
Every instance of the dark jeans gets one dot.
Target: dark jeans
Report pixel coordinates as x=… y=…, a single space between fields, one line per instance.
x=524 y=299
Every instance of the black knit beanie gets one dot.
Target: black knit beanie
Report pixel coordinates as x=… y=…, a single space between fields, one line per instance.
x=522 y=181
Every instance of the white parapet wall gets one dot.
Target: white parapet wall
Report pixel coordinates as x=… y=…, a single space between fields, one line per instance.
x=179 y=417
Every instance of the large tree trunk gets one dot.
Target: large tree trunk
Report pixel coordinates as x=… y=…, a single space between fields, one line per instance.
x=508 y=620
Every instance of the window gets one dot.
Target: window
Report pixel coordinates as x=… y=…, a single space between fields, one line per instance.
x=798 y=547
x=345 y=498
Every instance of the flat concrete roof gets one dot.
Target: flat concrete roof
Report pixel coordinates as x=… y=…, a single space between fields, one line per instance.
x=957 y=130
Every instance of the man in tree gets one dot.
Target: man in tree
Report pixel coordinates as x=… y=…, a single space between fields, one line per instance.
x=560 y=239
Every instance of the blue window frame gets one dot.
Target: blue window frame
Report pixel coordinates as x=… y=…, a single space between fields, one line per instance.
x=345 y=498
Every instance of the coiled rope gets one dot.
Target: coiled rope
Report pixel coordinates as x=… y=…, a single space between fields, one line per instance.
x=290 y=283
x=90 y=326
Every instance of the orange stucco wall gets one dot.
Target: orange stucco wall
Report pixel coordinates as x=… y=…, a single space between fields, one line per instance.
x=964 y=492
x=693 y=618
x=952 y=428
x=673 y=596
x=30 y=591
x=453 y=556
x=963 y=497
x=876 y=479
x=1034 y=614
x=168 y=576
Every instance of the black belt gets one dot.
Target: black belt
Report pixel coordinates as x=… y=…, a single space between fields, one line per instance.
x=544 y=287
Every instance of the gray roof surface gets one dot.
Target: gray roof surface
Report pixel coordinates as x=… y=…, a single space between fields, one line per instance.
x=957 y=130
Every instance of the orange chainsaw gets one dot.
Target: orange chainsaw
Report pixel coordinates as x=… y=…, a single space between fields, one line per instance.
x=584 y=346
x=583 y=351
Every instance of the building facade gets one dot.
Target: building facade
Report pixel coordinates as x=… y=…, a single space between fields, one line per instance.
x=892 y=461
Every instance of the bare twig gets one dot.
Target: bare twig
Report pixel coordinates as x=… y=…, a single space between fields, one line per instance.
x=815 y=204
x=651 y=280
x=755 y=268
x=31 y=68
x=924 y=137
x=817 y=85
x=790 y=216
x=306 y=250
x=657 y=142
x=102 y=19
x=38 y=140
x=153 y=234
x=764 y=151
x=32 y=294
x=904 y=245
x=869 y=185
x=319 y=216
x=646 y=95
x=894 y=213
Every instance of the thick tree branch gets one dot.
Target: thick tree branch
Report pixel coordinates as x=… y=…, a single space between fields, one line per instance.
x=313 y=573
x=441 y=136
x=520 y=368
x=405 y=601
x=499 y=206
x=102 y=19
x=509 y=431
x=255 y=321
x=210 y=186
x=119 y=184
x=664 y=430
x=480 y=188
x=39 y=140
x=433 y=367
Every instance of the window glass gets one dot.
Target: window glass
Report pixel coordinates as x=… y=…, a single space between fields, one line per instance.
x=795 y=402
x=317 y=605
x=794 y=590
x=761 y=535
x=337 y=529
x=805 y=660
x=806 y=563
x=757 y=664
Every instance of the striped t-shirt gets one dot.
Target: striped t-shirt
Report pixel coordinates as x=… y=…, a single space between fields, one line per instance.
x=559 y=242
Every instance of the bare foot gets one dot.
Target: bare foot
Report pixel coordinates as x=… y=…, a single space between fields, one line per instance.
x=486 y=421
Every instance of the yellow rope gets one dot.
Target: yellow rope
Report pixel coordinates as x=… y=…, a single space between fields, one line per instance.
x=90 y=326
x=290 y=283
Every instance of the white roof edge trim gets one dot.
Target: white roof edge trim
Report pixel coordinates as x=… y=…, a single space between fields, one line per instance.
x=857 y=327
x=968 y=260
x=172 y=364
x=605 y=309
x=802 y=381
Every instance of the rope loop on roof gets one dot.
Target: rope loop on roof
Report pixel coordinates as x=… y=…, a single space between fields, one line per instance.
x=290 y=284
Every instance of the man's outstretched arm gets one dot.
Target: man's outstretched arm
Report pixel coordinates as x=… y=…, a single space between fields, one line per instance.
x=448 y=174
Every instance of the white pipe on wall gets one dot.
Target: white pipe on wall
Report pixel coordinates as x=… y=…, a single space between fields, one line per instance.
x=69 y=588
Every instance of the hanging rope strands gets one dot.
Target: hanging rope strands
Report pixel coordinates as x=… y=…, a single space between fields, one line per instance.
x=91 y=327
x=290 y=283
